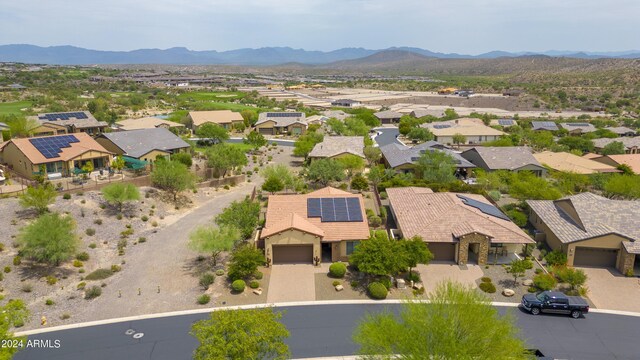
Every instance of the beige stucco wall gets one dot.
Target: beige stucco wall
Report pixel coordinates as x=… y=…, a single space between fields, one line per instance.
x=107 y=144
x=266 y=125
x=49 y=129
x=291 y=237
x=17 y=160
x=610 y=241
x=151 y=155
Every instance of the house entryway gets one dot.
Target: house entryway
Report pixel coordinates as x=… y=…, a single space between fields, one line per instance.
x=326 y=253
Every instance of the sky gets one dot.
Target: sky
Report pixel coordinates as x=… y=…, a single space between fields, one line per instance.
x=461 y=26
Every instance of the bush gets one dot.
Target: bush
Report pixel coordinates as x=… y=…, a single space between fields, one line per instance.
x=518 y=217
x=532 y=289
x=83 y=256
x=528 y=264
x=7 y=269
x=77 y=263
x=26 y=288
x=206 y=280
x=337 y=270
x=556 y=258
x=66 y=196
x=238 y=286
x=336 y=282
x=375 y=221
x=487 y=287
x=495 y=195
x=413 y=276
x=142 y=239
x=544 y=282
x=93 y=292
x=51 y=280
x=383 y=195
x=219 y=272
x=572 y=276
x=65 y=316
x=90 y=231
x=377 y=291
x=115 y=268
x=81 y=285
x=354 y=284
x=386 y=282
x=154 y=223
x=144 y=218
x=17 y=260
x=49 y=302
x=258 y=275
x=97 y=221
x=99 y=274
x=204 y=299
x=485 y=279
x=254 y=284
x=538 y=271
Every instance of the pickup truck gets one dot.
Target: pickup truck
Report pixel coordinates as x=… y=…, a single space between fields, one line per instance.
x=555 y=302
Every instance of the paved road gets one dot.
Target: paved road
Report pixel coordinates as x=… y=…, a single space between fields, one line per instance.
x=325 y=330
x=388 y=135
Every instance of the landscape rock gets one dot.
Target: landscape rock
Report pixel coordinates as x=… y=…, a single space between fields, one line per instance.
x=508 y=292
x=257 y=291
x=527 y=282
x=418 y=286
x=339 y=288
x=401 y=284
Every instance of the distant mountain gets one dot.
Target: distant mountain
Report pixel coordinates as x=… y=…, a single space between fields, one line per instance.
x=71 y=55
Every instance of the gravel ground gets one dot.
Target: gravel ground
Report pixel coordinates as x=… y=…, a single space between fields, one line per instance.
x=503 y=280
x=326 y=291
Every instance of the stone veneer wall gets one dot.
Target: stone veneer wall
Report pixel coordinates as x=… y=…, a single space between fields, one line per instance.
x=463 y=248
x=626 y=262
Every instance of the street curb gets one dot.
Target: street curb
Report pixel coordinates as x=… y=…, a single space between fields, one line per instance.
x=260 y=306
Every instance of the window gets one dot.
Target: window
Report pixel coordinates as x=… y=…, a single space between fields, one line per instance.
x=351 y=245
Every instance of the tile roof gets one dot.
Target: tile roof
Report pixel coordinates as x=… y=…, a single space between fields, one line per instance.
x=146 y=123
x=282 y=208
x=583 y=127
x=464 y=126
x=544 y=125
x=442 y=217
x=628 y=142
x=504 y=158
x=282 y=121
x=397 y=154
x=86 y=143
x=563 y=161
x=631 y=160
x=215 y=116
x=597 y=216
x=418 y=113
x=388 y=115
x=336 y=145
x=89 y=122
x=136 y=143
x=338 y=114
x=621 y=130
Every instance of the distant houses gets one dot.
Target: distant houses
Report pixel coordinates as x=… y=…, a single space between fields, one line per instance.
x=563 y=161
x=403 y=158
x=578 y=128
x=388 y=117
x=67 y=123
x=281 y=123
x=225 y=118
x=544 y=125
x=631 y=144
x=510 y=158
x=474 y=131
x=333 y=147
x=143 y=144
x=147 y=123
x=630 y=160
x=622 y=131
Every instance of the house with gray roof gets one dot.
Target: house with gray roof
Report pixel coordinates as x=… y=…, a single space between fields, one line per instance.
x=590 y=229
x=281 y=123
x=578 y=128
x=622 y=130
x=544 y=125
x=143 y=144
x=511 y=158
x=67 y=123
x=388 y=117
x=631 y=144
x=336 y=146
x=403 y=158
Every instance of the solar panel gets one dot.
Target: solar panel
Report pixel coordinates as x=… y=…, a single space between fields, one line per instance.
x=335 y=209
x=285 y=114
x=441 y=126
x=506 y=122
x=354 y=209
x=50 y=147
x=63 y=116
x=313 y=208
x=484 y=207
x=328 y=211
x=577 y=124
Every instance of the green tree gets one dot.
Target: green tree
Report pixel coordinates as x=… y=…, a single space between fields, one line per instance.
x=372 y=154
x=21 y=126
x=87 y=168
x=539 y=140
x=273 y=184
x=459 y=139
x=290 y=180
x=450 y=114
x=351 y=163
x=379 y=255
x=117 y=194
x=39 y=198
x=118 y=163
x=623 y=186
x=420 y=134
x=256 y=140
x=614 y=148
x=305 y=143
x=416 y=252
x=242 y=215
x=241 y=334
x=13 y=314
x=376 y=175
x=323 y=171
x=574 y=277
x=436 y=167
x=244 y=262
x=214 y=240
x=222 y=158
x=249 y=116
x=359 y=183
x=213 y=132
x=172 y=177
x=526 y=186
x=517 y=269
x=458 y=323
x=183 y=157
x=49 y=239
x=577 y=143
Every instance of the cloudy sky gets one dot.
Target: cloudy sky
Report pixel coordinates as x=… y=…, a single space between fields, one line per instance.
x=463 y=26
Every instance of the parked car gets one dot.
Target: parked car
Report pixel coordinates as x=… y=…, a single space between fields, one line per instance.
x=555 y=302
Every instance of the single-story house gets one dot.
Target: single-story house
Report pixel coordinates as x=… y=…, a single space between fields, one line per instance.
x=563 y=161
x=544 y=125
x=61 y=155
x=143 y=144
x=324 y=225
x=631 y=144
x=336 y=114
x=505 y=123
x=590 y=229
x=512 y=158
x=418 y=113
x=403 y=158
x=147 y=123
x=388 y=117
x=475 y=131
x=631 y=160
x=316 y=119
x=333 y=147
x=225 y=118
x=461 y=228
x=622 y=131
x=578 y=128
x=276 y=123
x=346 y=103
x=68 y=123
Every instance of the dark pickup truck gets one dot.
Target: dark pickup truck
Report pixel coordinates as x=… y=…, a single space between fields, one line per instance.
x=555 y=302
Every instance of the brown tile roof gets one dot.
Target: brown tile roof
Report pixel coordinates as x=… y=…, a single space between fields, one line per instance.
x=463 y=126
x=336 y=145
x=86 y=143
x=442 y=217
x=504 y=157
x=290 y=211
x=146 y=123
x=631 y=160
x=563 y=161
x=215 y=116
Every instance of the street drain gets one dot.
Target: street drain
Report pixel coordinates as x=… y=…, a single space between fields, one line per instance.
x=130 y=332
x=138 y=335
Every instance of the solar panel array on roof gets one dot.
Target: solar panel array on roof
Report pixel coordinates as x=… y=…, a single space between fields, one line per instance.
x=441 y=126
x=577 y=124
x=285 y=114
x=506 y=122
x=63 y=116
x=335 y=209
x=483 y=207
x=545 y=123
x=50 y=147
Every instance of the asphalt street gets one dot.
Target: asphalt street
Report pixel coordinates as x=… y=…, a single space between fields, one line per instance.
x=325 y=330
x=387 y=136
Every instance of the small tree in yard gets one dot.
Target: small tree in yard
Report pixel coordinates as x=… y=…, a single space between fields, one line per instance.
x=376 y=175
x=351 y=163
x=214 y=240
x=241 y=334
x=379 y=256
x=183 y=157
x=574 y=277
x=242 y=215
x=517 y=268
x=213 y=132
x=118 y=163
x=416 y=252
x=117 y=194
x=372 y=154
x=173 y=177
x=50 y=239
x=39 y=198
x=244 y=262
x=256 y=140
x=458 y=139
x=359 y=183
x=13 y=314
x=87 y=168
x=324 y=171
x=273 y=185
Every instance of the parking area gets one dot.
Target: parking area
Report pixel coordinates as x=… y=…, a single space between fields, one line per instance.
x=294 y=282
x=608 y=289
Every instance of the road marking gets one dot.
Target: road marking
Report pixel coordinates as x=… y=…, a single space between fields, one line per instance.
x=260 y=306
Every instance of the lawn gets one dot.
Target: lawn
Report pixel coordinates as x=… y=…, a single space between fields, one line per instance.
x=13 y=107
x=211 y=96
x=242 y=146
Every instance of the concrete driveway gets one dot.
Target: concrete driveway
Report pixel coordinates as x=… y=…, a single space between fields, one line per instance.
x=295 y=282
x=435 y=273
x=608 y=289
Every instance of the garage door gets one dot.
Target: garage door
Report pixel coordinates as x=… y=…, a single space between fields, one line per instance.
x=288 y=254
x=595 y=257
x=443 y=251
x=266 y=131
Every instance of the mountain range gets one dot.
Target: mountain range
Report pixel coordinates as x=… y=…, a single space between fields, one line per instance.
x=71 y=55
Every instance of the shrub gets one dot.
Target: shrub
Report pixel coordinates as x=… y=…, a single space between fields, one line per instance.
x=7 y=269
x=238 y=286
x=354 y=284
x=544 y=282
x=51 y=280
x=413 y=276
x=90 y=231
x=77 y=263
x=337 y=270
x=487 y=287
x=49 y=302
x=26 y=288
x=556 y=258
x=144 y=218
x=336 y=282
x=99 y=274
x=64 y=316
x=142 y=239
x=518 y=217
x=386 y=282
x=219 y=272
x=485 y=279
x=119 y=216
x=538 y=271
x=528 y=264
x=93 y=292
x=377 y=291
x=1 y=276
x=81 y=285
x=419 y=291
x=204 y=299
x=17 y=260
x=115 y=268
x=83 y=256
x=574 y=277
x=495 y=195
x=206 y=280
x=81 y=271
x=532 y=289
x=383 y=195
x=258 y=275
x=375 y=221
x=254 y=284
x=66 y=196
x=1 y=247
x=154 y=223
x=97 y=221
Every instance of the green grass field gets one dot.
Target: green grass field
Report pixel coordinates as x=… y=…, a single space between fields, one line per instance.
x=13 y=107
x=242 y=146
x=211 y=96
